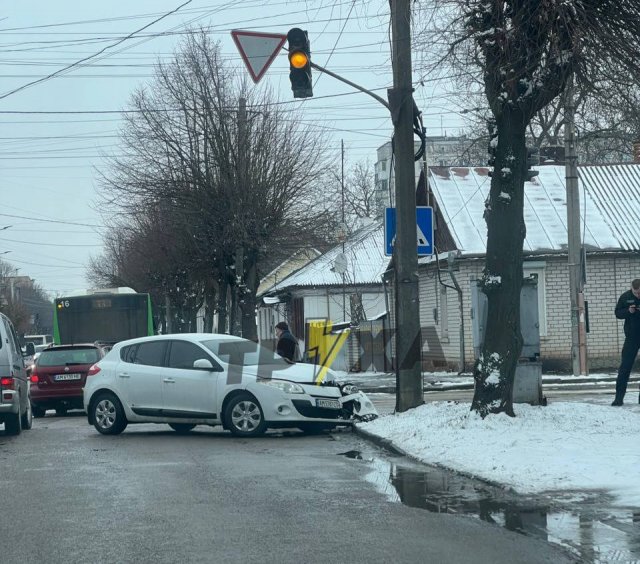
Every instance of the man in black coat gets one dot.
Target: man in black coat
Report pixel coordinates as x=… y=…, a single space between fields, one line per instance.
x=628 y=308
x=287 y=345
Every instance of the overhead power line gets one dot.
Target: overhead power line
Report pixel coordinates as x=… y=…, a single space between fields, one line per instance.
x=50 y=220
x=79 y=62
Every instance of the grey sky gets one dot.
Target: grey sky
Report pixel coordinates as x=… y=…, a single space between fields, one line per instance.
x=48 y=161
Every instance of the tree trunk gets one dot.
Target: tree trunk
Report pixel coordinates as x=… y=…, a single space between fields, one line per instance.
x=222 y=304
x=494 y=371
x=233 y=311
x=168 y=314
x=248 y=302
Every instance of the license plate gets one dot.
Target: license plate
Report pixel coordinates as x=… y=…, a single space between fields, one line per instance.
x=328 y=403
x=59 y=377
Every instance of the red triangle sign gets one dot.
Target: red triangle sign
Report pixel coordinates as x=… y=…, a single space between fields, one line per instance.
x=258 y=50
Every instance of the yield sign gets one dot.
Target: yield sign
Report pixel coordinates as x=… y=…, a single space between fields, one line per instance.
x=258 y=50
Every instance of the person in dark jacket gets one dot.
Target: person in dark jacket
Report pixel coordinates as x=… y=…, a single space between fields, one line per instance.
x=287 y=345
x=628 y=308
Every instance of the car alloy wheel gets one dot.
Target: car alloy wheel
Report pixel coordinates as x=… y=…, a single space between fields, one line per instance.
x=244 y=416
x=108 y=415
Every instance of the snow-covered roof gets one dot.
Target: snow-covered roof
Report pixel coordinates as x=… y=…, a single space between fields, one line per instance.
x=366 y=262
x=609 y=196
x=287 y=267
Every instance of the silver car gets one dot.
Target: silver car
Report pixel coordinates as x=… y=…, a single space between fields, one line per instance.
x=15 y=407
x=186 y=380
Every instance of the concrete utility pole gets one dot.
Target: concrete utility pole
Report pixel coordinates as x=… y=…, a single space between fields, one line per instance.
x=239 y=262
x=578 y=330
x=409 y=391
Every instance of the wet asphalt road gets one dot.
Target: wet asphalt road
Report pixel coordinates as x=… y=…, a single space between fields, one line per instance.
x=69 y=494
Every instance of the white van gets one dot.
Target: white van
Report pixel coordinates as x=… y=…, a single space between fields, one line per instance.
x=15 y=404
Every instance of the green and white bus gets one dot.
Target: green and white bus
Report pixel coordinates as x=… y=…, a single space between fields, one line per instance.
x=107 y=316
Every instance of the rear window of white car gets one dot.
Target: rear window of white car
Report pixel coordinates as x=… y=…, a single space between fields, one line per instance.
x=68 y=356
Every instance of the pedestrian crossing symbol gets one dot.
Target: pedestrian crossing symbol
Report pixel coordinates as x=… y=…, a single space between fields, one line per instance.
x=424 y=230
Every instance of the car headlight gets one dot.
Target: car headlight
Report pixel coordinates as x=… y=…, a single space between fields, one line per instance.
x=284 y=386
x=349 y=389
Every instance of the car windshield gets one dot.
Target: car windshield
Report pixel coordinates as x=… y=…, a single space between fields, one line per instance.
x=243 y=353
x=68 y=356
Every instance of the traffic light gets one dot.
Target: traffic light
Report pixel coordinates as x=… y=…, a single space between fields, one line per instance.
x=300 y=63
x=533 y=159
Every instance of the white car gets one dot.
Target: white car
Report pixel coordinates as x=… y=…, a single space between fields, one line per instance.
x=186 y=380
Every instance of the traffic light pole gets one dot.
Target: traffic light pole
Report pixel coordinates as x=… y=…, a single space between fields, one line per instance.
x=353 y=84
x=409 y=393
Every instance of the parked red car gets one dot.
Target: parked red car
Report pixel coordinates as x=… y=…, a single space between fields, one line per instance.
x=58 y=376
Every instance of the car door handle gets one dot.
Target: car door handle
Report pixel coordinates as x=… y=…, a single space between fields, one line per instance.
x=169 y=381
x=123 y=375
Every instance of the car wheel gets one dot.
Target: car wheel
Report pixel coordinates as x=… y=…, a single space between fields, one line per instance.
x=38 y=411
x=27 y=418
x=243 y=416
x=181 y=428
x=108 y=415
x=61 y=411
x=13 y=424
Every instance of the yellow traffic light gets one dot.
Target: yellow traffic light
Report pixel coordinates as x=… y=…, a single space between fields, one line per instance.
x=300 y=63
x=298 y=59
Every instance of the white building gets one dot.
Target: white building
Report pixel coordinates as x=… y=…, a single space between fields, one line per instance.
x=611 y=238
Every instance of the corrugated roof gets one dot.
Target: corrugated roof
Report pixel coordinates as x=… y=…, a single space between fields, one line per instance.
x=608 y=193
x=366 y=262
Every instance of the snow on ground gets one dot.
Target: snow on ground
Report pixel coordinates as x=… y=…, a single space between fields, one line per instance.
x=564 y=446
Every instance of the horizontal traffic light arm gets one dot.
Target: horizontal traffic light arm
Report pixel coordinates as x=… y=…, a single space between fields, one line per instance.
x=356 y=86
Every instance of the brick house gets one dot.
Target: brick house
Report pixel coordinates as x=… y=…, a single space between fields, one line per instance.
x=611 y=238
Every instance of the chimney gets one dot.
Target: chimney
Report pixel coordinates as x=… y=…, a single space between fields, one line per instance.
x=636 y=151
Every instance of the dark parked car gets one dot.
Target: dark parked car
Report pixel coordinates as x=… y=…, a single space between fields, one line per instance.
x=59 y=375
x=15 y=409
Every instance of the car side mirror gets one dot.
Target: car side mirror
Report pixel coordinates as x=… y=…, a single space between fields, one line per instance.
x=30 y=349
x=203 y=364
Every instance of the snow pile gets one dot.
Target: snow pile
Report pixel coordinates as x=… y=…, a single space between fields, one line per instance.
x=565 y=446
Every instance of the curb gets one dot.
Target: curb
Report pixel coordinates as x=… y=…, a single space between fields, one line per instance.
x=388 y=445
x=379 y=441
x=452 y=387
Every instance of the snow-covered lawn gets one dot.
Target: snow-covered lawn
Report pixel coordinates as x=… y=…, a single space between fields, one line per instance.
x=564 y=446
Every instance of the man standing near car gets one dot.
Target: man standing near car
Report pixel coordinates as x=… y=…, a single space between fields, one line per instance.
x=628 y=308
x=287 y=345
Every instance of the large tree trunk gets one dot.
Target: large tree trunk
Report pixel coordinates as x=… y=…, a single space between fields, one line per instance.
x=234 y=327
x=502 y=277
x=209 y=305
x=248 y=302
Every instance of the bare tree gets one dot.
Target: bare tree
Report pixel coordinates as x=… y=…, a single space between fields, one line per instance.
x=227 y=164
x=526 y=51
x=20 y=299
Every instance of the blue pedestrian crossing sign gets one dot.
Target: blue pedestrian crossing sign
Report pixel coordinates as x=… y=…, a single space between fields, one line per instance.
x=424 y=230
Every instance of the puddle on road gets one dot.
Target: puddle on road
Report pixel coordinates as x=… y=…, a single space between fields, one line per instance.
x=585 y=523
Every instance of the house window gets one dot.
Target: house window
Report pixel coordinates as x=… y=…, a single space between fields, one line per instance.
x=537 y=270
x=383 y=165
